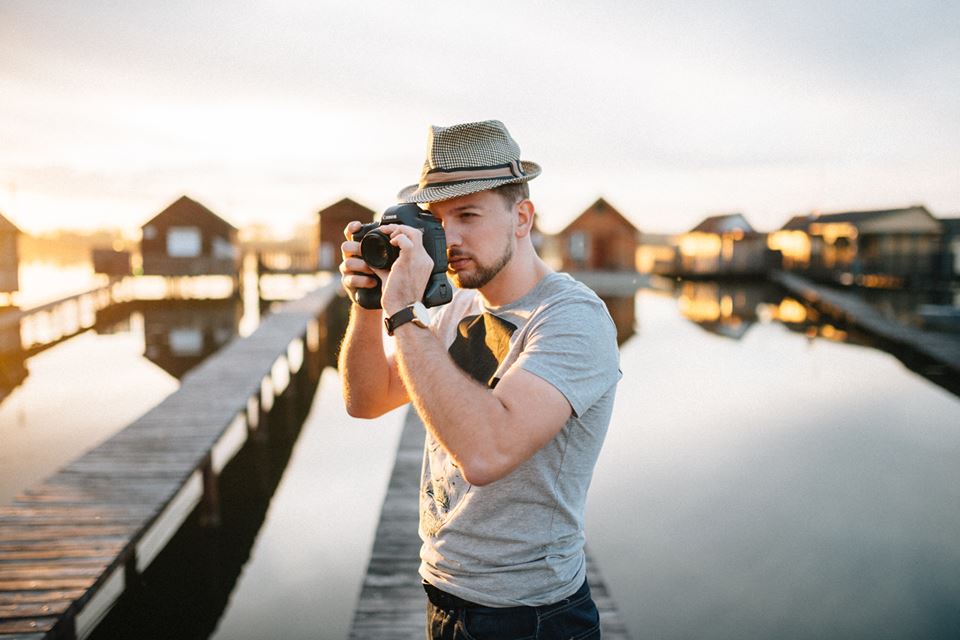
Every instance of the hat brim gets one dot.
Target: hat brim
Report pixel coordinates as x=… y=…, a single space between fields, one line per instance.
x=439 y=193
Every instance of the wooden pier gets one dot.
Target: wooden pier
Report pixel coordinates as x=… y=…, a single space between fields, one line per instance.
x=937 y=347
x=392 y=603
x=70 y=545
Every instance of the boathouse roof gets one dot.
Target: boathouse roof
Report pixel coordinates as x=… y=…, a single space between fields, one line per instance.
x=601 y=206
x=347 y=207
x=724 y=223
x=187 y=211
x=915 y=218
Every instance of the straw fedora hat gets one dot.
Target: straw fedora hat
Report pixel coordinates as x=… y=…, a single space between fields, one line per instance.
x=467 y=158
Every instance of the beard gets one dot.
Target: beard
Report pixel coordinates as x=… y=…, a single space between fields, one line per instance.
x=483 y=273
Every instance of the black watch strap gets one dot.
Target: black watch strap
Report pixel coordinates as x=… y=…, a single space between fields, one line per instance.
x=399 y=319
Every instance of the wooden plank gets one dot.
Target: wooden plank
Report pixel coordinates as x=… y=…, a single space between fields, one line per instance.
x=26 y=626
x=39 y=596
x=33 y=609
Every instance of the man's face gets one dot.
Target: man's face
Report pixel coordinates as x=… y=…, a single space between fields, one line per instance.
x=480 y=236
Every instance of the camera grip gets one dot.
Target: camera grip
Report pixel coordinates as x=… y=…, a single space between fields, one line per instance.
x=368 y=298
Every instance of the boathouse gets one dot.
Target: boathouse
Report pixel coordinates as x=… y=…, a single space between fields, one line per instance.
x=599 y=239
x=332 y=222
x=187 y=239
x=723 y=245
x=880 y=248
x=9 y=257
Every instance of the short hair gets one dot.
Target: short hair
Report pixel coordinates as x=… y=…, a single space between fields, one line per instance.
x=513 y=192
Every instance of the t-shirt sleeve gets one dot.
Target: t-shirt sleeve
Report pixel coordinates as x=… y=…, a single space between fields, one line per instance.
x=573 y=346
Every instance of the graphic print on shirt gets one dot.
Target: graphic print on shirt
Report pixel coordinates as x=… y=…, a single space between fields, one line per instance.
x=481 y=344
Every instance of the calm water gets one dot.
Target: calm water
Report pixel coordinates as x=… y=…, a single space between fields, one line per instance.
x=776 y=486
x=765 y=475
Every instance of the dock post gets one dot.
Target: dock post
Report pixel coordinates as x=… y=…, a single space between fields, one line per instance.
x=210 y=503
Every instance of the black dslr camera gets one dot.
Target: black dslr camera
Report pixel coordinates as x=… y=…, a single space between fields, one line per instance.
x=376 y=251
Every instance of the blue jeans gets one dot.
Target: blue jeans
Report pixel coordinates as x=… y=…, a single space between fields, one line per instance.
x=573 y=618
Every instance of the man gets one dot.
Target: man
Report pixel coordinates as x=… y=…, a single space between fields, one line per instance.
x=514 y=381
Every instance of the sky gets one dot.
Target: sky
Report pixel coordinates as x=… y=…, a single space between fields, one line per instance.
x=672 y=111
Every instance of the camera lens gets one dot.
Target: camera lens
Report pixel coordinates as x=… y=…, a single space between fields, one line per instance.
x=376 y=250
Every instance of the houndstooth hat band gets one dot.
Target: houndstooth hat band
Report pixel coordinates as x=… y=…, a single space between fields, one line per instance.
x=467 y=158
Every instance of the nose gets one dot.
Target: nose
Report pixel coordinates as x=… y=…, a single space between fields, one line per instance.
x=452 y=235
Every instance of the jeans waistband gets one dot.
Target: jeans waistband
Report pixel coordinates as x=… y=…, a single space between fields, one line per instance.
x=448 y=601
x=444 y=600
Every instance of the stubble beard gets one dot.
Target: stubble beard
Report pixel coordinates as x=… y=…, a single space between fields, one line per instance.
x=483 y=273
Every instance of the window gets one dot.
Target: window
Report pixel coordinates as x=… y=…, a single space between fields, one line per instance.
x=184 y=242
x=578 y=246
x=222 y=249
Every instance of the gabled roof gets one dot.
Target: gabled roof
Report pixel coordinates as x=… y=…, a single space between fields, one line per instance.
x=186 y=209
x=349 y=205
x=798 y=223
x=869 y=221
x=724 y=223
x=600 y=205
x=859 y=217
x=6 y=225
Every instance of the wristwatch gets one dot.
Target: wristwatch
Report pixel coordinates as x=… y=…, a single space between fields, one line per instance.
x=415 y=313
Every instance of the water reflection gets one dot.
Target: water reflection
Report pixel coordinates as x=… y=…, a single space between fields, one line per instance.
x=180 y=334
x=623 y=310
x=730 y=309
x=13 y=370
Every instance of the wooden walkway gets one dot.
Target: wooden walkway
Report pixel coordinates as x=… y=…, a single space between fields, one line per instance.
x=70 y=545
x=938 y=347
x=392 y=603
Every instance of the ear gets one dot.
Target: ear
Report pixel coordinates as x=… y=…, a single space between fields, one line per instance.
x=525 y=215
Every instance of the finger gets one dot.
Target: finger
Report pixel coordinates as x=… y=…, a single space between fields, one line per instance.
x=402 y=241
x=352 y=227
x=350 y=248
x=355 y=265
x=356 y=281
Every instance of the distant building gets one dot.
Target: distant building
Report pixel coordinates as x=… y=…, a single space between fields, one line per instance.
x=9 y=256
x=599 y=239
x=885 y=248
x=723 y=245
x=657 y=253
x=333 y=220
x=187 y=239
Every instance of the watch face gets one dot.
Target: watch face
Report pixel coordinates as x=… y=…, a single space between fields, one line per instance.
x=420 y=314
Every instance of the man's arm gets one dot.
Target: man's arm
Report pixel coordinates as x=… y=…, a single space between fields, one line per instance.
x=489 y=433
x=369 y=377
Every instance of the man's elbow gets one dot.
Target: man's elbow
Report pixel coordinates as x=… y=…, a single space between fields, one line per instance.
x=362 y=410
x=481 y=472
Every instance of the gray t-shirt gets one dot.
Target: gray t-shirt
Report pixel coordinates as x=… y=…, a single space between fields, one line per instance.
x=519 y=540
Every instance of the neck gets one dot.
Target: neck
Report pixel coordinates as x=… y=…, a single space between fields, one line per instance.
x=517 y=278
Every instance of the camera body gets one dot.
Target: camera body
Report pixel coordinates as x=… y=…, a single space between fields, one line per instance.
x=376 y=250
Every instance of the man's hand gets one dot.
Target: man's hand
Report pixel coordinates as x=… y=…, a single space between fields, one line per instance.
x=355 y=273
x=407 y=279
